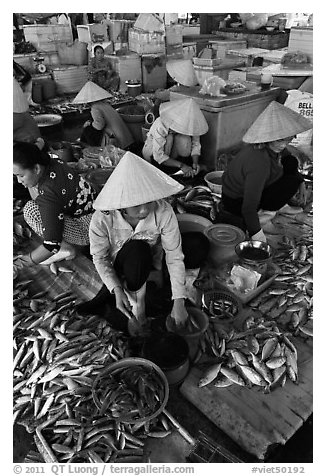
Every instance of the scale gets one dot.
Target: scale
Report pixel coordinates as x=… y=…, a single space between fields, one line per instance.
x=39 y=66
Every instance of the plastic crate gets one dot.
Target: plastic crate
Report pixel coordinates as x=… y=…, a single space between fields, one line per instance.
x=208 y=451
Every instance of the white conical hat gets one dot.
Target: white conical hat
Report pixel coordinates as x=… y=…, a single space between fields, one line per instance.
x=184 y=116
x=182 y=71
x=20 y=103
x=274 y=123
x=135 y=182
x=91 y=92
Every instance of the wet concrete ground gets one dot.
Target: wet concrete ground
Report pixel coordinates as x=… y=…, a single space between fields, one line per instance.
x=299 y=449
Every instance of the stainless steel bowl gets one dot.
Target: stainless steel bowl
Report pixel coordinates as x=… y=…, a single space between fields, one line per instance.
x=260 y=245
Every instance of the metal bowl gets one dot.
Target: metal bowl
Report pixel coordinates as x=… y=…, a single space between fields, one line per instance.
x=259 y=245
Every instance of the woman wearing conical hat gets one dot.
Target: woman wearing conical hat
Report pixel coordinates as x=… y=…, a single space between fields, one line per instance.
x=173 y=141
x=262 y=178
x=132 y=227
x=106 y=125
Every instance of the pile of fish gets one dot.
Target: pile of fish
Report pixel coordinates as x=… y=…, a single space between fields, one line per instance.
x=18 y=205
x=261 y=356
x=21 y=237
x=290 y=300
x=57 y=356
x=199 y=200
x=129 y=392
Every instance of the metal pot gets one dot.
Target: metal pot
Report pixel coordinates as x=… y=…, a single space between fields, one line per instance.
x=255 y=255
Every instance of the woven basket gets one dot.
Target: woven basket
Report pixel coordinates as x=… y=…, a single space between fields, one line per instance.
x=221 y=304
x=124 y=364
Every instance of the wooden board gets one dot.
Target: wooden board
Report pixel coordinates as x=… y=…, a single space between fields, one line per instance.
x=254 y=420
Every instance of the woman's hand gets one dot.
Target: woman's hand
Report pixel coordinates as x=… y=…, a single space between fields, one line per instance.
x=196 y=168
x=179 y=312
x=187 y=171
x=122 y=302
x=195 y=165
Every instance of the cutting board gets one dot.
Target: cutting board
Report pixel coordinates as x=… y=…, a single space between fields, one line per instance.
x=254 y=420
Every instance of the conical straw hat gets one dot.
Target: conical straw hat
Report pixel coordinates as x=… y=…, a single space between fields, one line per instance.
x=182 y=71
x=184 y=116
x=135 y=182
x=274 y=123
x=91 y=92
x=20 y=103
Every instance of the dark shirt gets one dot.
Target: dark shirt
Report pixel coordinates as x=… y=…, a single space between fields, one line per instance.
x=247 y=175
x=62 y=191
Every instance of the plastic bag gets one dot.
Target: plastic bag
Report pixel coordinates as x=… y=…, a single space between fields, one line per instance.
x=254 y=21
x=244 y=280
x=212 y=86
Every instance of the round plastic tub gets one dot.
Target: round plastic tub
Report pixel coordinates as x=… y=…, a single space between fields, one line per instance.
x=214 y=180
x=201 y=319
x=170 y=352
x=191 y=222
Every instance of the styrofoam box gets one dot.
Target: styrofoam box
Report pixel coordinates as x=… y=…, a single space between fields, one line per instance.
x=93 y=32
x=301 y=39
x=222 y=46
x=127 y=66
x=47 y=37
x=146 y=42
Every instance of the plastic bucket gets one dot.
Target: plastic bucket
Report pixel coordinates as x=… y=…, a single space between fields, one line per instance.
x=133 y=88
x=214 y=180
x=170 y=352
x=223 y=240
x=193 y=338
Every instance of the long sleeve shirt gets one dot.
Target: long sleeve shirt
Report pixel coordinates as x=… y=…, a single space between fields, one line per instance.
x=109 y=231
x=106 y=118
x=156 y=142
x=246 y=176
